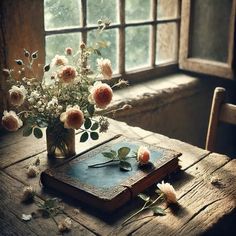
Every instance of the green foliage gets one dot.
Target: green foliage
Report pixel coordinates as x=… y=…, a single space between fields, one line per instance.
x=84 y=137
x=90 y=109
x=50 y=208
x=87 y=123
x=125 y=165
x=94 y=135
x=109 y=155
x=123 y=152
x=38 y=132
x=144 y=197
x=95 y=126
x=120 y=157
x=27 y=131
x=158 y=211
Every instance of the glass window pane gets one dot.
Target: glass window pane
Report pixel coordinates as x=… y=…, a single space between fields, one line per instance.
x=166 y=50
x=61 y=13
x=137 y=10
x=56 y=44
x=137 y=53
x=167 y=9
x=110 y=52
x=100 y=9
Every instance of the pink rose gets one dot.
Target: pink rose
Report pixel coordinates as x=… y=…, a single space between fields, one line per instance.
x=143 y=155
x=17 y=95
x=104 y=66
x=68 y=51
x=100 y=94
x=73 y=118
x=10 y=121
x=68 y=74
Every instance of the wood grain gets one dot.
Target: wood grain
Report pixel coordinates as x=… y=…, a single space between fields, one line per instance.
x=200 y=202
x=12 y=208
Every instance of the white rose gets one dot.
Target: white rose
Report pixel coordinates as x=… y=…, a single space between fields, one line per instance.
x=11 y=121
x=104 y=66
x=17 y=95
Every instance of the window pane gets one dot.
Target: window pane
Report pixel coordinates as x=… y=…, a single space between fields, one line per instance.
x=137 y=10
x=98 y=9
x=209 y=33
x=56 y=44
x=110 y=36
x=61 y=13
x=166 y=50
x=167 y=9
x=137 y=47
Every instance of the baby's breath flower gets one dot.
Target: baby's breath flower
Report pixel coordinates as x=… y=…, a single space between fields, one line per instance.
x=104 y=66
x=28 y=194
x=32 y=171
x=65 y=225
x=104 y=124
x=59 y=61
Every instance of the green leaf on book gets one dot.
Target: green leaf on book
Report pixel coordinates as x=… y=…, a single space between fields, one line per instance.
x=125 y=165
x=108 y=154
x=123 y=152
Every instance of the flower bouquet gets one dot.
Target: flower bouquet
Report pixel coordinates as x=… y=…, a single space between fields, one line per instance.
x=66 y=96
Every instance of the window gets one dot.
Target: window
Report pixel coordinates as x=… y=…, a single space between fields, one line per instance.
x=143 y=35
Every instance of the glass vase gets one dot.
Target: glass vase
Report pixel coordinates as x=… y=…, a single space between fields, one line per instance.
x=60 y=141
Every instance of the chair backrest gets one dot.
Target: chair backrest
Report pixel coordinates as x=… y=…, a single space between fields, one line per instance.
x=220 y=111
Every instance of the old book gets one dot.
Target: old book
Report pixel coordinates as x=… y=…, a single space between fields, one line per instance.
x=108 y=187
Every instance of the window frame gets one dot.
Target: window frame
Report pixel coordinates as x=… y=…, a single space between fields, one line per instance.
x=134 y=75
x=209 y=67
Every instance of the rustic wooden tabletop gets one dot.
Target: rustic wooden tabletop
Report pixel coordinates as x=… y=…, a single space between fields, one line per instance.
x=205 y=186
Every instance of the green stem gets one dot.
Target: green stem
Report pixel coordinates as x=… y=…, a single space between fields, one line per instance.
x=99 y=165
x=145 y=206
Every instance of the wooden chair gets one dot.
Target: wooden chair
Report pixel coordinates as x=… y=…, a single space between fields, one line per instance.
x=220 y=111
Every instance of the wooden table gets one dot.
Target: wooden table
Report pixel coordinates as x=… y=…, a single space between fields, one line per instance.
x=203 y=205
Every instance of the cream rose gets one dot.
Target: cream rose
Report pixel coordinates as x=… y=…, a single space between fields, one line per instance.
x=104 y=66
x=67 y=74
x=143 y=155
x=100 y=94
x=59 y=61
x=168 y=191
x=73 y=118
x=10 y=121
x=17 y=95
